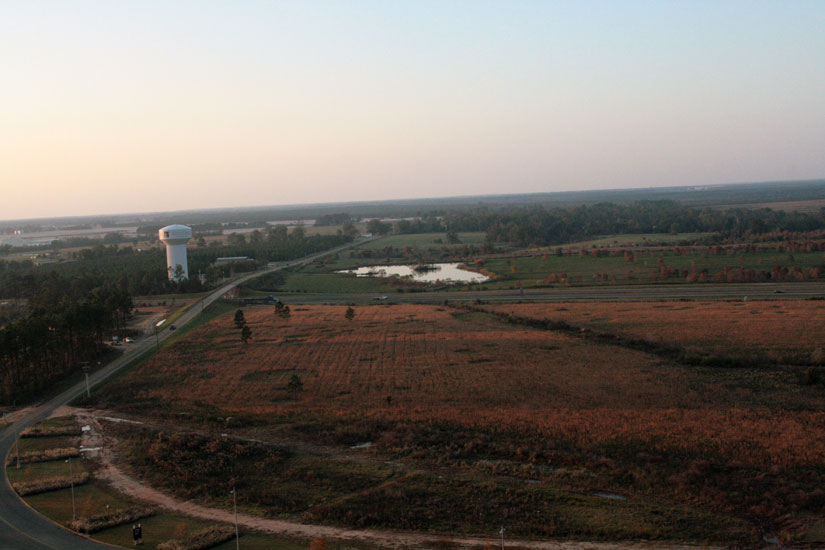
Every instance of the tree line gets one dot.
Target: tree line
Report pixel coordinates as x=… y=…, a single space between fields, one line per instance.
x=144 y=272
x=66 y=325
x=541 y=225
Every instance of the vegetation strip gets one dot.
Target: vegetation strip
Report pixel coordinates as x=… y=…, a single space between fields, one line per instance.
x=99 y=522
x=25 y=488
x=666 y=351
x=206 y=538
x=43 y=456
x=53 y=431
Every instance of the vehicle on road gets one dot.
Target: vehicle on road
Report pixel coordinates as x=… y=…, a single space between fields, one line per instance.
x=173 y=327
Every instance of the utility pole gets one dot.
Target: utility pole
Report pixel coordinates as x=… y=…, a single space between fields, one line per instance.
x=157 y=326
x=501 y=532
x=17 y=445
x=85 y=367
x=71 y=479
x=235 y=506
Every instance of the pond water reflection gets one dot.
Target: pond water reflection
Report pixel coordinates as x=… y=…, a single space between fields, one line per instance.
x=435 y=272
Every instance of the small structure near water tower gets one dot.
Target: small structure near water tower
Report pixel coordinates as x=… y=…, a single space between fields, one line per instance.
x=175 y=238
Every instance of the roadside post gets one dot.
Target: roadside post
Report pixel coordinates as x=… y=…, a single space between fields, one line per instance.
x=85 y=367
x=157 y=326
x=71 y=480
x=235 y=507
x=501 y=532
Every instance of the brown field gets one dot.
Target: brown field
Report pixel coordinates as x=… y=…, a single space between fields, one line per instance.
x=785 y=331
x=466 y=390
x=424 y=357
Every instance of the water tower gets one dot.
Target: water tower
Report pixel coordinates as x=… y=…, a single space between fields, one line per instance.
x=175 y=237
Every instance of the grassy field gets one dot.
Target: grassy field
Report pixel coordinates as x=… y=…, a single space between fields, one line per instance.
x=33 y=444
x=324 y=282
x=41 y=470
x=424 y=240
x=321 y=277
x=640 y=239
x=649 y=266
x=806 y=206
x=617 y=259
x=540 y=418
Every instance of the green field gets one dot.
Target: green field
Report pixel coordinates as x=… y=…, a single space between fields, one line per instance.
x=639 y=239
x=36 y=444
x=323 y=282
x=423 y=240
x=537 y=269
x=42 y=470
x=320 y=277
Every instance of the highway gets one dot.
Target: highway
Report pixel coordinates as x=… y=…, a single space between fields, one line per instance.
x=561 y=294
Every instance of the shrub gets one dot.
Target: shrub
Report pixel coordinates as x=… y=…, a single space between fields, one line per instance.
x=44 y=456
x=25 y=488
x=206 y=538
x=99 y=522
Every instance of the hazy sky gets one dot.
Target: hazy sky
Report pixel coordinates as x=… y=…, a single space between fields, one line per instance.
x=124 y=106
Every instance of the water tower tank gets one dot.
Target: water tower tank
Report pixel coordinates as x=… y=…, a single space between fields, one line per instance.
x=175 y=238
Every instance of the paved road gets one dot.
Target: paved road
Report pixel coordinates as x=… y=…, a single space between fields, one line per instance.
x=663 y=292
x=21 y=528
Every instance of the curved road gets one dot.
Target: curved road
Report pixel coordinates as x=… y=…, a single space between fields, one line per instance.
x=21 y=528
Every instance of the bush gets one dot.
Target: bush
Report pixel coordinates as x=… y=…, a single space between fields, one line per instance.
x=43 y=456
x=36 y=431
x=25 y=488
x=99 y=522
x=206 y=538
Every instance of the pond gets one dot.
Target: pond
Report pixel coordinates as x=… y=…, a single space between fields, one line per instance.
x=433 y=273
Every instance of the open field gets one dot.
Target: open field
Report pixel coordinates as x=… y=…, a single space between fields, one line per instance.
x=807 y=206
x=321 y=277
x=645 y=266
x=640 y=239
x=481 y=420
x=617 y=259
x=424 y=240
x=786 y=331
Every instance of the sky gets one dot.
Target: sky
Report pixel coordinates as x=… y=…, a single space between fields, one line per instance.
x=135 y=106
